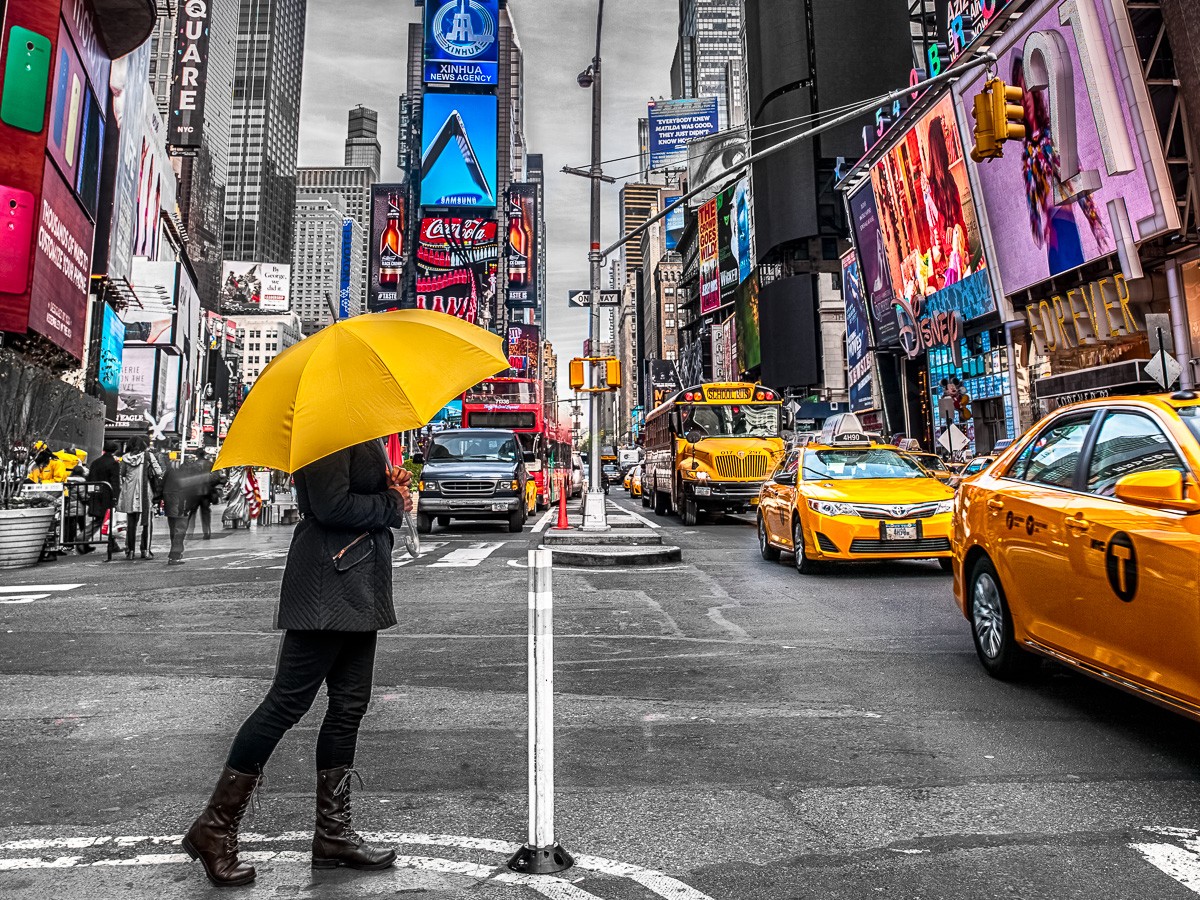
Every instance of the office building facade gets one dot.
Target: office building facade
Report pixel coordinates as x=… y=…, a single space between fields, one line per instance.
x=362 y=140
x=708 y=56
x=260 y=196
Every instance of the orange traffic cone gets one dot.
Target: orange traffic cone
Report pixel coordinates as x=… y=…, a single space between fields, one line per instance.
x=562 y=504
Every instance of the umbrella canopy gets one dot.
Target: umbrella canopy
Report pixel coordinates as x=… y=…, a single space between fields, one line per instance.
x=357 y=380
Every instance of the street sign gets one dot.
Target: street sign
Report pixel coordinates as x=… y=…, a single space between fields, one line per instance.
x=953 y=439
x=1155 y=368
x=581 y=299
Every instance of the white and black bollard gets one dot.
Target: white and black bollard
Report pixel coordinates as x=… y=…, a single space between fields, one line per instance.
x=541 y=855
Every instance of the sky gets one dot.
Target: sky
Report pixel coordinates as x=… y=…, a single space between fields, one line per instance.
x=353 y=55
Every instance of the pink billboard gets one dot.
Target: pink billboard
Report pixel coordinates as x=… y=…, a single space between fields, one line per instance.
x=1089 y=179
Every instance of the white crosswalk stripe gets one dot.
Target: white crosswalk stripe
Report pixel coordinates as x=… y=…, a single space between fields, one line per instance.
x=28 y=593
x=468 y=557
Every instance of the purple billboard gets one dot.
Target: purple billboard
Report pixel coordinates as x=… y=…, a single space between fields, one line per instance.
x=1084 y=182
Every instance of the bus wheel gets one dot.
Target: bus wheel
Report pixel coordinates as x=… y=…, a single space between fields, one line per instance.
x=645 y=498
x=662 y=503
x=690 y=514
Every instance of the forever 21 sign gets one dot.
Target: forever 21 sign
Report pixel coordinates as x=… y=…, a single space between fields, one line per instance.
x=187 y=86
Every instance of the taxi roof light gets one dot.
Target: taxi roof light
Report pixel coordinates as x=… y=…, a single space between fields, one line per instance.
x=844 y=429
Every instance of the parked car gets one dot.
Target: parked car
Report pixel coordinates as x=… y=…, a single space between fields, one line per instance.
x=577 y=475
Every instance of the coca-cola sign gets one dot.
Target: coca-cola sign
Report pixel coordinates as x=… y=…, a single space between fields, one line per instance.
x=447 y=232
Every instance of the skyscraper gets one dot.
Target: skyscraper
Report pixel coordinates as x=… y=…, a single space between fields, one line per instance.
x=709 y=38
x=260 y=197
x=317 y=258
x=203 y=170
x=362 y=140
x=353 y=184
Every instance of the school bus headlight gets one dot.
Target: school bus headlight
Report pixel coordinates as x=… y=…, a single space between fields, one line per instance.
x=827 y=508
x=702 y=476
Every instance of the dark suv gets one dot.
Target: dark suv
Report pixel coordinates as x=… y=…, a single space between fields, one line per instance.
x=472 y=473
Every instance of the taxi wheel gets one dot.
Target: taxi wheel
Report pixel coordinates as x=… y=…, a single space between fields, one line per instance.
x=769 y=553
x=991 y=626
x=804 y=565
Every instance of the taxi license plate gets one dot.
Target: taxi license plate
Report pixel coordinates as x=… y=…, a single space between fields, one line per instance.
x=499 y=507
x=900 y=531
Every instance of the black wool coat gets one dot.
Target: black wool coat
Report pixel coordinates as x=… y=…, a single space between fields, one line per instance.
x=339 y=567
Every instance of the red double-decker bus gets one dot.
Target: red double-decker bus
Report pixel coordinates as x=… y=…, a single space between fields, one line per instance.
x=517 y=404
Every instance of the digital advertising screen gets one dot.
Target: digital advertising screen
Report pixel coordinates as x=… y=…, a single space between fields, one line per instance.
x=1084 y=179
x=710 y=280
x=858 y=336
x=458 y=150
x=386 y=245
x=673 y=123
x=524 y=349
x=461 y=42
x=457 y=259
x=522 y=246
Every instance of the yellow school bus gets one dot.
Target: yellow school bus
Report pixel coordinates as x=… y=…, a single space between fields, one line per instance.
x=709 y=448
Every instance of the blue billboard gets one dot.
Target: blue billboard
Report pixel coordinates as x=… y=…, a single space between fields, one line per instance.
x=461 y=41
x=458 y=150
x=347 y=257
x=673 y=230
x=112 y=348
x=675 y=122
x=858 y=336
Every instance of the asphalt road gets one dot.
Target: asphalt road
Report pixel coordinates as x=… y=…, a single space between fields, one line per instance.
x=752 y=733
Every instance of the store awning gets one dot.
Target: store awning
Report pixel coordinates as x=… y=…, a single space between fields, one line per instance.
x=1112 y=380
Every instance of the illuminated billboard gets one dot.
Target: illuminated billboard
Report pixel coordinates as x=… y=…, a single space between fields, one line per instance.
x=255 y=287
x=524 y=348
x=710 y=280
x=930 y=232
x=191 y=64
x=675 y=122
x=456 y=265
x=385 y=267
x=522 y=246
x=858 y=337
x=462 y=41
x=1085 y=182
x=458 y=150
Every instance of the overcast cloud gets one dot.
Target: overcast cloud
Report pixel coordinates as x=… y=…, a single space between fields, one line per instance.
x=355 y=52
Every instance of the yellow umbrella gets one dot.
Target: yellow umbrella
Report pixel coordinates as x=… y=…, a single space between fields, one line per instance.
x=357 y=380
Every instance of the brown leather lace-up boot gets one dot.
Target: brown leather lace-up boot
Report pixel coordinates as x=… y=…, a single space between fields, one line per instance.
x=335 y=842
x=213 y=838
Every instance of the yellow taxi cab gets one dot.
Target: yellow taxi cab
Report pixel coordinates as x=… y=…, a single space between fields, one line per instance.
x=635 y=481
x=845 y=496
x=932 y=463
x=1081 y=543
x=625 y=481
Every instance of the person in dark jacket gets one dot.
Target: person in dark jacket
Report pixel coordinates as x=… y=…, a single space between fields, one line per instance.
x=106 y=475
x=336 y=595
x=184 y=486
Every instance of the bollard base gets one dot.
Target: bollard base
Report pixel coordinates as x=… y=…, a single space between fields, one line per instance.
x=532 y=860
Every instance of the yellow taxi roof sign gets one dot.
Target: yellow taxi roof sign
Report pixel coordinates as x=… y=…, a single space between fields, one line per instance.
x=842 y=429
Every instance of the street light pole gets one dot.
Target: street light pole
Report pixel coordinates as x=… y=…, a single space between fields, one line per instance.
x=594 y=512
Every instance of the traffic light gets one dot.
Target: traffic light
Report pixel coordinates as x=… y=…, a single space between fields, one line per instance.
x=576 y=374
x=1008 y=113
x=612 y=373
x=985 y=131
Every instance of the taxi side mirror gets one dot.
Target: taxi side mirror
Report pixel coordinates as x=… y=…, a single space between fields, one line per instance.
x=788 y=478
x=1160 y=489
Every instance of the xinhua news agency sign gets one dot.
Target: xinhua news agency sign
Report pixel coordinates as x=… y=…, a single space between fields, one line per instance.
x=187 y=87
x=461 y=42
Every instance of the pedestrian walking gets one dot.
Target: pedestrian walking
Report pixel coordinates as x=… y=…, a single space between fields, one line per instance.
x=141 y=478
x=183 y=487
x=336 y=595
x=106 y=476
x=213 y=494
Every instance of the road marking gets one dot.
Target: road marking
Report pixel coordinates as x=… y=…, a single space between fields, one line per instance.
x=1180 y=860
x=611 y=570
x=21 y=588
x=23 y=598
x=468 y=557
x=543 y=521
x=638 y=516
x=427 y=547
x=549 y=886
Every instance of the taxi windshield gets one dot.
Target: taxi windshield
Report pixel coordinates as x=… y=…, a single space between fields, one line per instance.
x=932 y=462
x=732 y=420
x=820 y=465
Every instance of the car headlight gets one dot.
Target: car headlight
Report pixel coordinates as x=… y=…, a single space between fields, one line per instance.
x=944 y=507
x=827 y=508
x=426 y=485
x=515 y=485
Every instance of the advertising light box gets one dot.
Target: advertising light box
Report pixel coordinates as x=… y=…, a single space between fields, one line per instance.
x=858 y=336
x=458 y=150
x=457 y=260
x=930 y=231
x=1085 y=181
x=675 y=122
x=255 y=287
x=461 y=42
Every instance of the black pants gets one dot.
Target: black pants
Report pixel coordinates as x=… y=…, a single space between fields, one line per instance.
x=131 y=524
x=205 y=510
x=178 y=526
x=345 y=662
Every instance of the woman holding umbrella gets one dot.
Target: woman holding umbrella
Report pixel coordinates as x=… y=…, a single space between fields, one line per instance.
x=337 y=583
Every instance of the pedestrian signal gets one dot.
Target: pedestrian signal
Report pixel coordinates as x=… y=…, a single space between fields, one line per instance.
x=1008 y=112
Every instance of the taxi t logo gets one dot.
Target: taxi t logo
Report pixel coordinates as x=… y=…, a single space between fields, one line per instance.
x=1121 y=566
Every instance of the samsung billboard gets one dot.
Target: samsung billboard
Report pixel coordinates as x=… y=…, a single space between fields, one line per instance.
x=461 y=42
x=458 y=150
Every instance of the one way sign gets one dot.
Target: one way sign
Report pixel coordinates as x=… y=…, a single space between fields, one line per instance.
x=581 y=299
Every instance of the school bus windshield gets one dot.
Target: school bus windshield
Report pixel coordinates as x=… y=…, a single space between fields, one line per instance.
x=732 y=420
